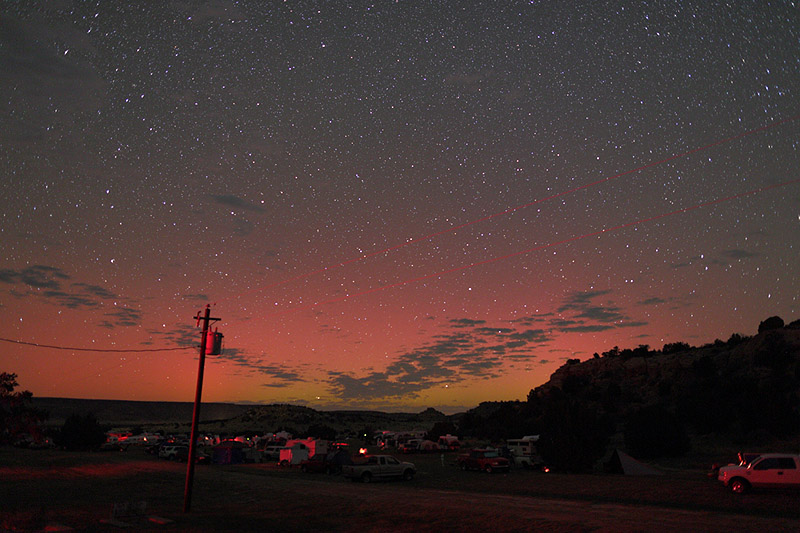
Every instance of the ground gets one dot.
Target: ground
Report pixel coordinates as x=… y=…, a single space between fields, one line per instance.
x=46 y=489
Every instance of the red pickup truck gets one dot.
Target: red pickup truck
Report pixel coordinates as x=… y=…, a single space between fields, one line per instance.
x=487 y=460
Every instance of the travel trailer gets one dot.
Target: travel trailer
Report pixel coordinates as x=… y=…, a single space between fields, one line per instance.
x=523 y=451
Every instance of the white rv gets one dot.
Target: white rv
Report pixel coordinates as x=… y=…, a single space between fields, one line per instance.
x=449 y=442
x=523 y=451
x=298 y=450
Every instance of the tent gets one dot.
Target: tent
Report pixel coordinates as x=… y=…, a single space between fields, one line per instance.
x=428 y=446
x=229 y=452
x=622 y=463
x=339 y=457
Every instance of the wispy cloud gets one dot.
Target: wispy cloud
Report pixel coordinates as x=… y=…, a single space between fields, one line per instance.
x=723 y=258
x=37 y=276
x=738 y=254
x=468 y=348
x=236 y=202
x=51 y=284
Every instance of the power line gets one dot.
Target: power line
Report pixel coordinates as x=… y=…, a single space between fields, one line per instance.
x=537 y=248
x=120 y=350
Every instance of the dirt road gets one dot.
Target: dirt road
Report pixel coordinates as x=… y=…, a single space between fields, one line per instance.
x=395 y=506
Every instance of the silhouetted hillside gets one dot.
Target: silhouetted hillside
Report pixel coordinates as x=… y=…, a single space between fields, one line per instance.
x=132 y=413
x=738 y=387
x=228 y=418
x=306 y=421
x=655 y=403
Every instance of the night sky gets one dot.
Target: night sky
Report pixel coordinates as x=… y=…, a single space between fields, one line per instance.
x=392 y=205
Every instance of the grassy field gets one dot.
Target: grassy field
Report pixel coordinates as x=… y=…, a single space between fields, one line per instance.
x=80 y=490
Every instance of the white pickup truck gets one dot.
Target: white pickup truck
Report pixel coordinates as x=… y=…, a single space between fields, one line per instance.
x=767 y=470
x=370 y=467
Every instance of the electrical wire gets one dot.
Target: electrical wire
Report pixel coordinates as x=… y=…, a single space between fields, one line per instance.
x=109 y=350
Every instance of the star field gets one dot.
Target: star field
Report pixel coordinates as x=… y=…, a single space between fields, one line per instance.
x=326 y=175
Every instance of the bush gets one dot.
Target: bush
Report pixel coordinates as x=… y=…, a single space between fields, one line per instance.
x=574 y=436
x=773 y=322
x=654 y=432
x=17 y=416
x=81 y=433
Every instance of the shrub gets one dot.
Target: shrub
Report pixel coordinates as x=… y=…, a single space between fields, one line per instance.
x=654 y=432
x=773 y=322
x=81 y=433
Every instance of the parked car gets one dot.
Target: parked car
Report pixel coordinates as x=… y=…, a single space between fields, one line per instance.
x=486 y=460
x=370 y=467
x=38 y=442
x=113 y=446
x=766 y=470
x=172 y=452
x=271 y=453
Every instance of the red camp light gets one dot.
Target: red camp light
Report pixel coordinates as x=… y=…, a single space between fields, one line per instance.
x=362 y=451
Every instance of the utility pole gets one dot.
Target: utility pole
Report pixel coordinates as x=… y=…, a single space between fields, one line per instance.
x=187 y=493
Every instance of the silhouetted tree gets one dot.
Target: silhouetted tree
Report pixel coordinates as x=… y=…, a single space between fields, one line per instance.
x=574 y=385
x=773 y=322
x=504 y=423
x=643 y=350
x=507 y=420
x=654 y=432
x=776 y=353
x=17 y=415
x=321 y=431
x=573 y=435
x=736 y=338
x=467 y=424
x=441 y=428
x=611 y=398
x=613 y=352
x=367 y=435
x=81 y=433
x=675 y=347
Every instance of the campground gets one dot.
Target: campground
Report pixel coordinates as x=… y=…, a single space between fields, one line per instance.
x=45 y=489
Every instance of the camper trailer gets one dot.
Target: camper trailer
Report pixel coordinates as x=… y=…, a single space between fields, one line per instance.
x=523 y=451
x=298 y=450
x=449 y=442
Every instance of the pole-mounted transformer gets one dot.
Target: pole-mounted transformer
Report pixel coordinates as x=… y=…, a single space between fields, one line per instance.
x=214 y=342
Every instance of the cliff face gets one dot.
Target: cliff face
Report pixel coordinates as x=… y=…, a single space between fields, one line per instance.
x=768 y=362
x=748 y=354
